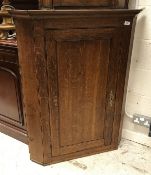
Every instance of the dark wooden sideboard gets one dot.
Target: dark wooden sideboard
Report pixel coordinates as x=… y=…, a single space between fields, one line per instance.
x=73 y=65
x=12 y=121
x=11 y=114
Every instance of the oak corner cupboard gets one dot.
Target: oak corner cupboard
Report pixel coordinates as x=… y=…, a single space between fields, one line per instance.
x=73 y=57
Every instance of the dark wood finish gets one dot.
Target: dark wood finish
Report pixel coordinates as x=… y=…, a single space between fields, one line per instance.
x=48 y=4
x=11 y=115
x=73 y=78
x=24 y=4
x=73 y=3
x=82 y=4
x=126 y=3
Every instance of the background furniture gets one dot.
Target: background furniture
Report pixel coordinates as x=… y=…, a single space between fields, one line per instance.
x=12 y=121
x=56 y=4
x=11 y=115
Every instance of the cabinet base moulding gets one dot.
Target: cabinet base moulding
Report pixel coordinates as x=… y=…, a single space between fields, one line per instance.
x=80 y=154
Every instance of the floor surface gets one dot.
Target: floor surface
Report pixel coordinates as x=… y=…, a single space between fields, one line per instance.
x=130 y=159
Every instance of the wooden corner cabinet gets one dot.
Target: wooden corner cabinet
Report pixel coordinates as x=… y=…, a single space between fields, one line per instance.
x=73 y=64
x=62 y=85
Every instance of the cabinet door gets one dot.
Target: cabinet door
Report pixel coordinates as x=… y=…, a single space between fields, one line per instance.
x=10 y=99
x=105 y=3
x=82 y=74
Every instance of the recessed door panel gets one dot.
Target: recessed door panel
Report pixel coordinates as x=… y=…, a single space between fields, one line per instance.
x=82 y=87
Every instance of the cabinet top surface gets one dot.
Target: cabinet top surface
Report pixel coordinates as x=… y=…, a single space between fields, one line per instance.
x=81 y=12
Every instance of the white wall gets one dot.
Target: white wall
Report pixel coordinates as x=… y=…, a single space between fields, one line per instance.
x=139 y=86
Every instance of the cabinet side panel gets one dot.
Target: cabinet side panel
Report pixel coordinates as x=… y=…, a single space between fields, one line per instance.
x=34 y=82
x=124 y=42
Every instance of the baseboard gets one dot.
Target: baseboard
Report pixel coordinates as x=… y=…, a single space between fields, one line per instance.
x=12 y=131
x=136 y=137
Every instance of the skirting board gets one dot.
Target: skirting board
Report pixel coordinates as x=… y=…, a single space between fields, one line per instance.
x=136 y=137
